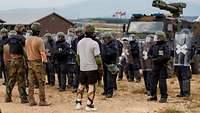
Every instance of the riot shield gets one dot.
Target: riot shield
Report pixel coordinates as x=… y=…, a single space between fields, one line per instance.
x=145 y=45
x=182 y=50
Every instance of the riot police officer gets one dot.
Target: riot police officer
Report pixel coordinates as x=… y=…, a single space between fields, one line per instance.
x=182 y=56
x=160 y=55
x=133 y=60
x=80 y=35
x=109 y=57
x=71 y=64
x=61 y=54
x=50 y=50
x=146 y=63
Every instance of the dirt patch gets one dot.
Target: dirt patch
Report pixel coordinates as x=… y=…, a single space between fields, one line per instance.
x=130 y=98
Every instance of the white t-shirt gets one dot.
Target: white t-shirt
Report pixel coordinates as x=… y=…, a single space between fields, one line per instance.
x=87 y=49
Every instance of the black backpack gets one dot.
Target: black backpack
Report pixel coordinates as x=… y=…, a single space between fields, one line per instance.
x=16 y=45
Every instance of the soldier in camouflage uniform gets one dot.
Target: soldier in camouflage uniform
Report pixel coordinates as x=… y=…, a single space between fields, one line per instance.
x=16 y=65
x=37 y=58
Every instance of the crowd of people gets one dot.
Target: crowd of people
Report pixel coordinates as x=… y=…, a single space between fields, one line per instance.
x=82 y=59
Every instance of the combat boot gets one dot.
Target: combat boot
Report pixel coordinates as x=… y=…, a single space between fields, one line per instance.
x=152 y=98
x=109 y=95
x=44 y=103
x=8 y=99
x=163 y=100
x=24 y=101
x=32 y=102
x=74 y=90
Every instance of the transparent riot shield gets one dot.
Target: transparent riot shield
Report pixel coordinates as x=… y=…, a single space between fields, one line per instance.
x=145 y=45
x=182 y=50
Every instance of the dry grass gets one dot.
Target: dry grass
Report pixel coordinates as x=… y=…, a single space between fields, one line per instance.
x=171 y=110
x=123 y=88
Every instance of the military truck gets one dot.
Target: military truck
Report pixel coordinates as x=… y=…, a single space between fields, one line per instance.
x=142 y=25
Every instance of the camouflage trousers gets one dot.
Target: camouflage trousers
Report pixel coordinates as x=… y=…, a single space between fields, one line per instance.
x=36 y=73
x=16 y=74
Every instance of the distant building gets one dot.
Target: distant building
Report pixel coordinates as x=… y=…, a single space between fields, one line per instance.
x=50 y=21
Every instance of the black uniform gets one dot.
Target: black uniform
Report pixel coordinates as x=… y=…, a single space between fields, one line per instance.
x=71 y=66
x=109 y=56
x=134 y=66
x=160 y=55
x=2 y=66
x=50 y=47
x=77 y=68
x=184 y=75
x=61 y=54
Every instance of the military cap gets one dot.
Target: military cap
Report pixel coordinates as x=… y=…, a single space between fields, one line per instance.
x=161 y=35
x=79 y=30
x=107 y=35
x=61 y=34
x=113 y=68
x=48 y=35
x=4 y=30
x=12 y=32
x=19 y=28
x=89 y=28
x=36 y=26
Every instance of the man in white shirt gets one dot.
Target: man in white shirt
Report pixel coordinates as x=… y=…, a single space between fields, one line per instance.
x=88 y=56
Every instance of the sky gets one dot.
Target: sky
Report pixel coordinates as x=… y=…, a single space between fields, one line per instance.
x=15 y=4
x=144 y=6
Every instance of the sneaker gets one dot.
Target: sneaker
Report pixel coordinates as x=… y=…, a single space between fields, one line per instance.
x=78 y=105
x=163 y=100
x=90 y=108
